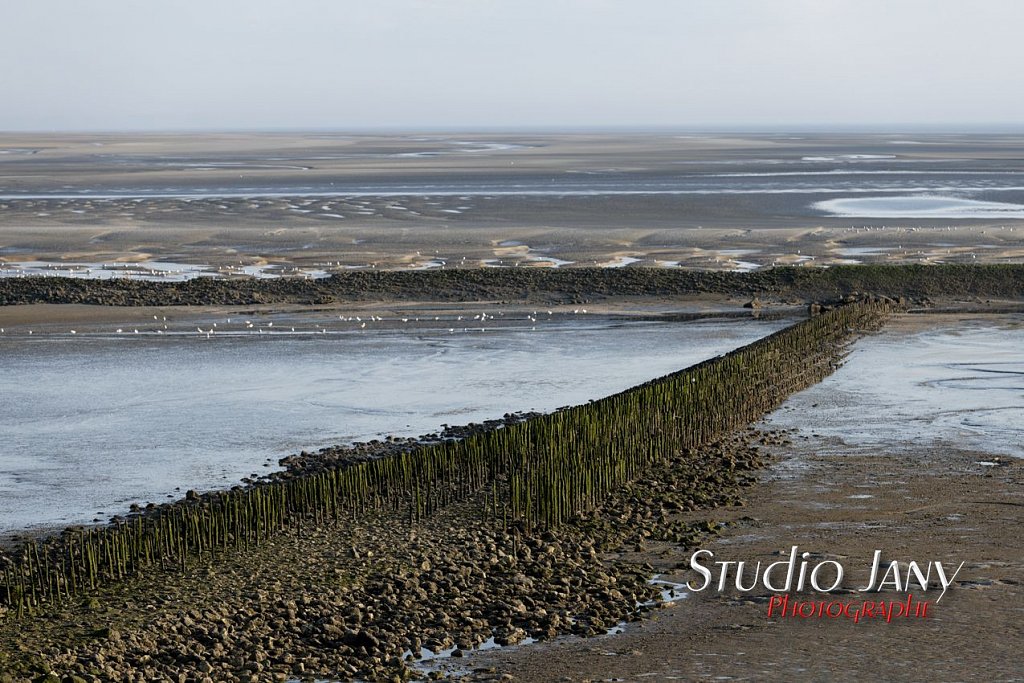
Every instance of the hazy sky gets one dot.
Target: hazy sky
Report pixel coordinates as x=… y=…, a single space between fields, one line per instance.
x=224 y=64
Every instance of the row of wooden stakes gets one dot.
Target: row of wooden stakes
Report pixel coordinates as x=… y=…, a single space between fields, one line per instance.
x=536 y=474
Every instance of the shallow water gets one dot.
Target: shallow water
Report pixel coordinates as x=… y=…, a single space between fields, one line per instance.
x=442 y=660
x=154 y=271
x=95 y=422
x=918 y=206
x=956 y=386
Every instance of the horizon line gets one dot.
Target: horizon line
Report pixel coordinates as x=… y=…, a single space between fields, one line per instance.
x=894 y=128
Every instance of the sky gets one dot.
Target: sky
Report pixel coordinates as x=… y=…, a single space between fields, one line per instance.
x=509 y=64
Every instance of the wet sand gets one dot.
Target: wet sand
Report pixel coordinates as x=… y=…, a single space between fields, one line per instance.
x=923 y=508
x=334 y=202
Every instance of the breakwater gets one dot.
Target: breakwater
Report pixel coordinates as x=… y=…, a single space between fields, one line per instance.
x=556 y=285
x=536 y=474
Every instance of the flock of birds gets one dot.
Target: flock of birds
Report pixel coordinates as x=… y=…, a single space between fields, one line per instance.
x=235 y=327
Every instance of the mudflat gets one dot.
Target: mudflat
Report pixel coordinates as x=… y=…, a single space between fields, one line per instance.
x=924 y=507
x=312 y=203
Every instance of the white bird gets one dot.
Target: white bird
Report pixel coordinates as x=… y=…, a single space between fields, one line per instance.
x=73 y=332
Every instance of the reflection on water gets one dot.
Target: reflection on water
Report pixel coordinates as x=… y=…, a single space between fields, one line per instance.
x=94 y=423
x=958 y=386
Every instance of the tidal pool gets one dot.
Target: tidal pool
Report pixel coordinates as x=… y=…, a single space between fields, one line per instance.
x=90 y=423
x=923 y=206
